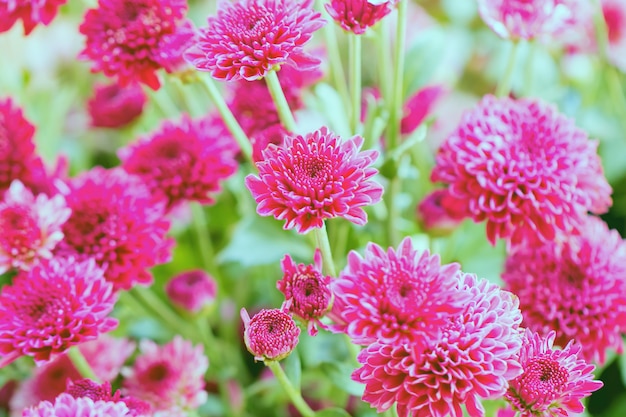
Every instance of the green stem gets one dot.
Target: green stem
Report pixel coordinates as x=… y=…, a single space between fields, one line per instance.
x=160 y=309
x=164 y=103
x=334 y=58
x=504 y=86
x=355 y=81
x=81 y=364
x=384 y=59
x=284 y=112
x=321 y=238
x=204 y=240
x=292 y=393
x=395 y=109
x=392 y=214
x=617 y=93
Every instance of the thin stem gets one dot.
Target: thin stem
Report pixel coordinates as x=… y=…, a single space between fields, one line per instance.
x=355 y=81
x=292 y=393
x=81 y=364
x=395 y=108
x=282 y=106
x=159 y=308
x=384 y=59
x=504 y=86
x=392 y=215
x=204 y=240
x=617 y=93
x=321 y=238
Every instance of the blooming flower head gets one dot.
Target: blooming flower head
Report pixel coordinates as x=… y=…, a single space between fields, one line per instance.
x=169 y=377
x=116 y=221
x=192 y=290
x=30 y=227
x=357 y=15
x=67 y=406
x=55 y=305
x=315 y=177
x=270 y=335
x=306 y=290
x=524 y=168
x=183 y=161
x=249 y=38
x=553 y=381
x=519 y=19
x=473 y=358
x=575 y=288
x=31 y=12
x=115 y=106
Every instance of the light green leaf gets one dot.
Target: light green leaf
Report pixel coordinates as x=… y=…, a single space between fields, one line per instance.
x=339 y=373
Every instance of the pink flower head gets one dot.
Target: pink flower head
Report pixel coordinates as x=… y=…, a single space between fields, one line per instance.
x=90 y=389
x=306 y=290
x=271 y=335
x=614 y=12
x=519 y=19
x=116 y=221
x=55 y=305
x=106 y=355
x=575 y=288
x=131 y=40
x=183 y=161
x=433 y=215
x=31 y=12
x=274 y=134
x=169 y=377
x=192 y=290
x=116 y=106
x=524 y=168
x=30 y=227
x=419 y=106
x=249 y=38
x=315 y=177
x=553 y=382
x=67 y=406
x=357 y=15
x=397 y=296
x=473 y=358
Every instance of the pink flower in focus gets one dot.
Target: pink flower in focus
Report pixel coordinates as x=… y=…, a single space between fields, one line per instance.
x=55 y=305
x=357 y=15
x=106 y=355
x=67 y=406
x=306 y=290
x=524 y=168
x=315 y=177
x=518 y=19
x=419 y=106
x=31 y=12
x=433 y=215
x=575 y=288
x=249 y=38
x=270 y=335
x=116 y=106
x=553 y=382
x=30 y=227
x=395 y=297
x=192 y=290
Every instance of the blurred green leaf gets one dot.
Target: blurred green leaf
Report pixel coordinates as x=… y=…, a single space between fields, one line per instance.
x=339 y=373
x=332 y=412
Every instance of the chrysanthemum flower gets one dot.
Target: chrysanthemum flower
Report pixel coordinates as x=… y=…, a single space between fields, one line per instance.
x=519 y=19
x=129 y=40
x=183 y=161
x=116 y=221
x=30 y=227
x=306 y=289
x=31 y=12
x=116 y=106
x=192 y=290
x=315 y=177
x=524 y=168
x=357 y=15
x=270 y=335
x=55 y=305
x=553 y=382
x=169 y=377
x=473 y=358
x=249 y=38
x=575 y=288
x=67 y=406
x=398 y=296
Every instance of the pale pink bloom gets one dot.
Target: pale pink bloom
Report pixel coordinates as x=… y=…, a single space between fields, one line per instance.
x=270 y=335
x=519 y=19
x=357 y=15
x=67 y=406
x=192 y=290
x=31 y=12
x=106 y=355
x=115 y=106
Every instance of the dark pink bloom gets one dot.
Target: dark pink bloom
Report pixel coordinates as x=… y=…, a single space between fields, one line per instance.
x=553 y=382
x=434 y=216
x=357 y=15
x=31 y=12
x=306 y=290
x=315 y=177
x=575 y=287
x=519 y=19
x=183 y=161
x=270 y=335
x=55 y=305
x=192 y=290
x=116 y=106
x=116 y=221
x=522 y=167
x=67 y=406
x=274 y=134
x=248 y=38
x=419 y=106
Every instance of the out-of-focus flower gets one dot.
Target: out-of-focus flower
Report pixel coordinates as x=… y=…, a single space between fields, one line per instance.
x=67 y=406
x=31 y=12
x=315 y=177
x=614 y=12
x=192 y=290
x=524 y=168
x=183 y=161
x=103 y=392
x=553 y=382
x=433 y=215
x=270 y=335
x=106 y=355
x=419 y=106
x=116 y=106
x=357 y=15
x=249 y=38
x=274 y=134
x=520 y=19
x=575 y=287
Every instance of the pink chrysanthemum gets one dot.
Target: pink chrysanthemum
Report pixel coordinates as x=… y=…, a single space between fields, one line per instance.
x=169 y=377
x=249 y=38
x=31 y=12
x=192 y=290
x=183 y=161
x=553 y=382
x=357 y=15
x=306 y=289
x=67 y=406
x=55 y=305
x=576 y=288
x=30 y=227
x=519 y=19
x=116 y=221
x=103 y=392
x=270 y=335
x=473 y=358
x=524 y=168
x=131 y=40
x=398 y=296
x=115 y=106
x=315 y=177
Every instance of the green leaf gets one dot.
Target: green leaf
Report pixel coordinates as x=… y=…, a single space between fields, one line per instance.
x=332 y=412
x=339 y=373
x=293 y=369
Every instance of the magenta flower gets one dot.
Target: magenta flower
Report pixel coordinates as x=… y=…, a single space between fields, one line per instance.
x=419 y=106
x=519 y=19
x=433 y=215
x=357 y=15
x=315 y=177
x=67 y=406
x=271 y=335
x=395 y=297
x=274 y=134
x=103 y=392
x=55 y=305
x=116 y=106
x=31 y=12
x=192 y=290
x=473 y=358
x=553 y=382
x=183 y=161
x=249 y=38
x=524 y=168
x=575 y=288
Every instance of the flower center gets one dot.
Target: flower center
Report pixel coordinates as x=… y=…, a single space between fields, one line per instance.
x=543 y=380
